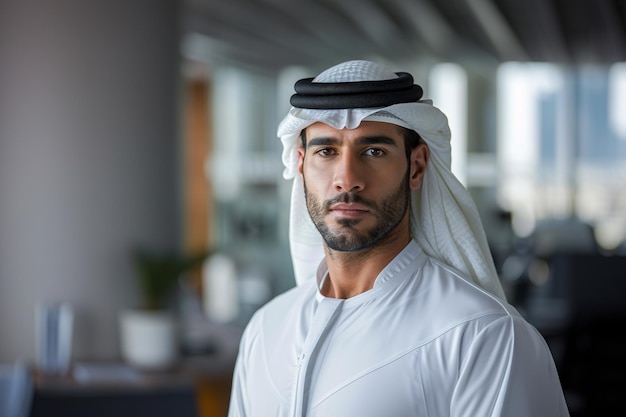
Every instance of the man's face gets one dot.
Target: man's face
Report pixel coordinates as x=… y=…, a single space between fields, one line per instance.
x=357 y=183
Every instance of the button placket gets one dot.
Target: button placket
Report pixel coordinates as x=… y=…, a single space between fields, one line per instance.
x=324 y=317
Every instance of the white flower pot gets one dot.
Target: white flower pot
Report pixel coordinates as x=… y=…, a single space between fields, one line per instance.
x=149 y=339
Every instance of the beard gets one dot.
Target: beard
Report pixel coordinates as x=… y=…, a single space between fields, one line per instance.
x=347 y=238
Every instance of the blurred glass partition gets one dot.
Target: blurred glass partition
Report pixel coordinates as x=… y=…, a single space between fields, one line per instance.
x=562 y=147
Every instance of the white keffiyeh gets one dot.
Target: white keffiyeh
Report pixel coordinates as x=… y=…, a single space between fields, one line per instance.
x=444 y=218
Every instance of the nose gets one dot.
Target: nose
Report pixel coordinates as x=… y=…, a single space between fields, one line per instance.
x=348 y=174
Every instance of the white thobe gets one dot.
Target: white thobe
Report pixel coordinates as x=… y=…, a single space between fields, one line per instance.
x=422 y=342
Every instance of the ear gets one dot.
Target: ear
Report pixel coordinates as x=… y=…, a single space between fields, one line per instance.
x=418 y=160
x=300 y=159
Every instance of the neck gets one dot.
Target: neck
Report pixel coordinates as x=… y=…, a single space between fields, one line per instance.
x=353 y=273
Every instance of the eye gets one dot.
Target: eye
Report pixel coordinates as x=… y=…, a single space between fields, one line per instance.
x=374 y=152
x=325 y=152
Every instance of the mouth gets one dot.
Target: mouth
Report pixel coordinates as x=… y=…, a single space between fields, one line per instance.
x=350 y=210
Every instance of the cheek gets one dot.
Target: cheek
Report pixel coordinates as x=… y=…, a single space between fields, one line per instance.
x=391 y=175
x=318 y=183
x=315 y=171
x=314 y=178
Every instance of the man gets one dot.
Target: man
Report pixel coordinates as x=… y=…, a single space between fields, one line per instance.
x=398 y=311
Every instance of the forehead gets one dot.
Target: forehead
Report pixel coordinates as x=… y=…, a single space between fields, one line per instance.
x=366 y=128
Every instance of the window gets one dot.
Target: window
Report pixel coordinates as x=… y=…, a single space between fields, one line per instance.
x=562 y=146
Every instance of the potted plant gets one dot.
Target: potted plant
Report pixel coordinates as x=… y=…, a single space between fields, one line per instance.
x=149 y=335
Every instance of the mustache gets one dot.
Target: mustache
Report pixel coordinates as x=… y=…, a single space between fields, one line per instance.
x=348 y=198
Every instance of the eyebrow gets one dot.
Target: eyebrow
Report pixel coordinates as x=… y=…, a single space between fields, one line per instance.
x=363 y=140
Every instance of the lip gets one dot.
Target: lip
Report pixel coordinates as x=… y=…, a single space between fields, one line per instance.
x=349 y=210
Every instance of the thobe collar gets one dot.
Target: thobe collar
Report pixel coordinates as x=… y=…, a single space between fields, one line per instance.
x=393 y=273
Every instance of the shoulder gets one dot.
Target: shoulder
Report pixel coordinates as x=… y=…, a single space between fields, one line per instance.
x=451 y=297
x=283 y=307
x=480 y=318
x=430 y=280
x=294 y=298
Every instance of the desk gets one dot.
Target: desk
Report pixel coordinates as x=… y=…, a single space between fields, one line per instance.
x=198 y=387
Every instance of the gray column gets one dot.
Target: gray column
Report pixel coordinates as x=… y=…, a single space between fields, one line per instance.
x=88 y=160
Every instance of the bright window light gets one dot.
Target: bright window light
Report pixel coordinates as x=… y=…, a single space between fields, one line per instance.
x=522 y=87
x=617 y=99
x=448 y=90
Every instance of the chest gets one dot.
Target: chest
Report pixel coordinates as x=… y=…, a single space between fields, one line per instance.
x=340 y=362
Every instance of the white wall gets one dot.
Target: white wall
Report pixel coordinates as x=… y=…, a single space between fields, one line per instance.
x=88 y=156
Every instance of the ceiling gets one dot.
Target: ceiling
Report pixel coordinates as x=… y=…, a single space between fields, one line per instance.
x=276 y=33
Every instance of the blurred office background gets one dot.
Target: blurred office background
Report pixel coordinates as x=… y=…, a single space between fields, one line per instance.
x=151 y=124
